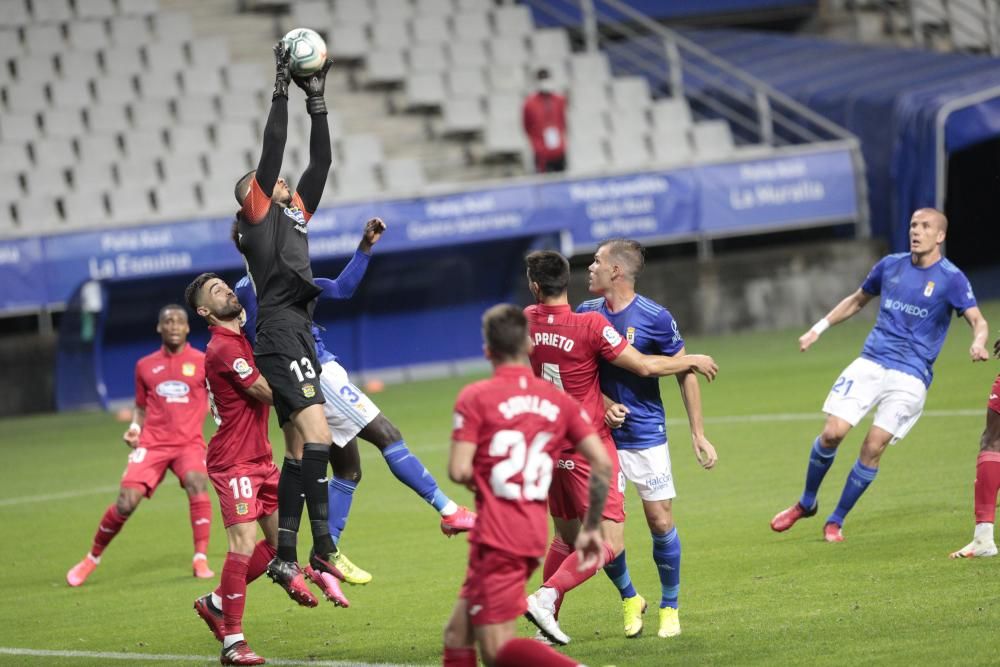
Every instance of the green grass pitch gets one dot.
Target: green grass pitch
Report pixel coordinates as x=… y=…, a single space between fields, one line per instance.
x=887 y=595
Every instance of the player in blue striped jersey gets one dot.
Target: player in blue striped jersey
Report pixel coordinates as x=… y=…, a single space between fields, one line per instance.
x=351 y=414
x=918 y=292
x=635 y=414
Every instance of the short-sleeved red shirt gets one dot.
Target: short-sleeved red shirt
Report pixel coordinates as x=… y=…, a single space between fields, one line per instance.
x=567 y=349
x=230 y=368
x=171 y=389
x=519 y=425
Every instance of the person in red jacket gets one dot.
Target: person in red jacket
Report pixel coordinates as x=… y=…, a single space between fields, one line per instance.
x=544 y=117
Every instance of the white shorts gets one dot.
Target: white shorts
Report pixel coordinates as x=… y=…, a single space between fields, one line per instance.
x=649 y=470
x=899 y=396
x=347 y=408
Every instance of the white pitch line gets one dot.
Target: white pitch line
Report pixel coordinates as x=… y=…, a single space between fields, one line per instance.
x=21 y=500
x=809 y=416
x=161 y=657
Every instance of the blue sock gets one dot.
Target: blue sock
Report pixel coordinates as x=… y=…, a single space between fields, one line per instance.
x=667 y=556
x=820 y=460
x=410 y=471
x=617 y=571
x=857 y=481
x=340 y=493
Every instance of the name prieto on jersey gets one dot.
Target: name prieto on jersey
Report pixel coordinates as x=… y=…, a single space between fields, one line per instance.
x=518 y=405
x=555 y=340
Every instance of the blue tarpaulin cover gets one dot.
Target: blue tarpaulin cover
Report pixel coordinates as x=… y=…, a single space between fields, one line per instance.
x=888 y=97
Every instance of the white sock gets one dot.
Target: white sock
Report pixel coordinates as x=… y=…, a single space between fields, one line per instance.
x=216 y=600
x=449 y=509
x=984 y=533
x=231 y=639
x=96 y=560
x=547 y=596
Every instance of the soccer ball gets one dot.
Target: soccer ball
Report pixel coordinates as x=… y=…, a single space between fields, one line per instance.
x=307 y=49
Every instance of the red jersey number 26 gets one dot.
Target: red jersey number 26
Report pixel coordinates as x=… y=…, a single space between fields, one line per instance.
x=531 y=461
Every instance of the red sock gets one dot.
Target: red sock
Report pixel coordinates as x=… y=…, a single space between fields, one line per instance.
x=519 y=652
x=558 y=552
x=459 y=657
x=201 y=521
x=262 y=555
x=111 y=523
x=987 y=484
x=569 y=577
x=234 y=591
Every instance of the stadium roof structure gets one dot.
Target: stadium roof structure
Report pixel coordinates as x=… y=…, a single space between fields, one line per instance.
x=909 y=108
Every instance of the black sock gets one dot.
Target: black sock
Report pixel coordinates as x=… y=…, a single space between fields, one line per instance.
x=315 y=457
x=290 y=502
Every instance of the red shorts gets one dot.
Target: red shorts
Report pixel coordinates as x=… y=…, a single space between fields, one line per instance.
x=994 y=402
x=147 y=466
x=247 y=491
x=494 y=584
x=569 y=493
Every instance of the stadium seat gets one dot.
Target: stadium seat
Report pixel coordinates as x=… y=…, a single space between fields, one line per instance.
x=51 y=11
x=248 y=76
x=208 y=53
x=474 y=5
x=468 y=54
x=585 y=121
x=427 y=58
x=628 y=151
x=150 y=113
x=360 y=149
x=10 y=46
x=14 y=158
x=513 y=20
x=97 y=148
x=130 y=31
x=203 y=82
x=79 y=65
x=130 y=207
x=630 y=92
x=240 y=104
x=390 y=34
x=41 y=38
x=109 y=117
x=165 y=56
x=122 y=62
x=966 y=24
x=549 y=45
x=137 y=172
x=53 y=153
x=217 y=195
x=173 y=26
x=14 y=13
x=138 y=7
x=589 y=94
x=507 y=79
x=176 y=200
x=356 y=182
x=394 y=9
x=462 y=116
x=671 y=111
x=384 y=67
x=67 y=123
x=46 y=183
x=311 y=13
x=188 y=140
x=424 y=90
x=432 y=29
x=434 y=7
x=507 y=50
x=143 y=142
x=41 y=214
x=87 y=35
x=70 y=93
x=34 y=69
x=403 y=176
x=25 y=96
x=18 y=127
x=503 y=139
x=347 y=43
x=471 y=25
x=158 y=85
x=628 y=121
x=227 y=167
x=586 y=156
x=236 y=135
x=712 y=139
x=85 y=208
x=589 y=67
x=195 y=110
x=353 y=12
x=467 y=82
x=505 y=108
x=95 y=9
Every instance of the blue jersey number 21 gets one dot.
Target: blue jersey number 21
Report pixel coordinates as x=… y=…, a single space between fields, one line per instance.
x=844 y=383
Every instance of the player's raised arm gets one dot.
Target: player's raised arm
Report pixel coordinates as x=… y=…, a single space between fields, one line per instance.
x=344 y=285
x=842 y=311
x=654 y=365
x=980 y=330
x=310 y=188
x=276 y=128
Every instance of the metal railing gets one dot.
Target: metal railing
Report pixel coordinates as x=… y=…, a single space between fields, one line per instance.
x=958 y=25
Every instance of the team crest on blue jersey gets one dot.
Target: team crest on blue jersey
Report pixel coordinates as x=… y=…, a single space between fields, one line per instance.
x=929 y=289
x=630 y=335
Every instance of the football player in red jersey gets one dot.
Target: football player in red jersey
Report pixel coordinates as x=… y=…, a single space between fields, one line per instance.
x=567 y=348
x=166 y=432
x=507 y=431
x=240 y=465
x=983 y=544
